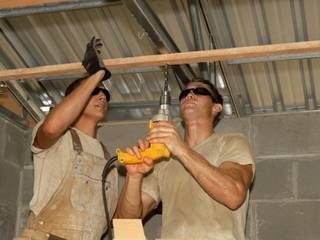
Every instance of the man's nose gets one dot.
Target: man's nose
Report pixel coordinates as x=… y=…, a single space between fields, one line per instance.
x=101 y=96
x=190 y=94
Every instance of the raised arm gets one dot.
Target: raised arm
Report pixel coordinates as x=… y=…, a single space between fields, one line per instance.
x=65 y=113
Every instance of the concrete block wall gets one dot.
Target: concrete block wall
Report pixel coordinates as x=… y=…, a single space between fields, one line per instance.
x=285 y=200
x=285 y=197
x=13 y=154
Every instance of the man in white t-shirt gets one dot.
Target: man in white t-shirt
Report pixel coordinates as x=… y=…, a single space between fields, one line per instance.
x=69 y=161
x=204 y=186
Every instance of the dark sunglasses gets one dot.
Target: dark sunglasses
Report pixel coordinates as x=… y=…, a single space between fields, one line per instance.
x=197 y=91
x=105 y=92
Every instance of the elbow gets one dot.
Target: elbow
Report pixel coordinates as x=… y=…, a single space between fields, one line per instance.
x=237 y=197
x=50 y=129
x=127 y=214
x=234 y=204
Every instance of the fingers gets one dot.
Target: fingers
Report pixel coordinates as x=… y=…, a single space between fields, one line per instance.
x=134 y=151
x=95 y=43
x=129 y=150
x=161 y=132
x=92 y=41
x=98 y=44
x=143 y=144
x=149 y=163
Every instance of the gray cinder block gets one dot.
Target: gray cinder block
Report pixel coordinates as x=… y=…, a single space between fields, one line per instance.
x=273 y=180
x=288 y=221
x=7 y=223
x=287 y=134
x=26 y=193
x=9 y=179
x=28 y=154
x=308 y=179
x=232 y=125
x=15 y=141
x=250 y=224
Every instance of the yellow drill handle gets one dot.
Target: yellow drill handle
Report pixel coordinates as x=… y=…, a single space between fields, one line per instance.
x=155 y=151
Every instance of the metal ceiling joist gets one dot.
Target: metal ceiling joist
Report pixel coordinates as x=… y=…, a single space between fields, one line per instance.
x=197 y=34
x=18 y=8
x=283 y=49
x=23 y=97
x=157 y=33
x=207 y=17
x=21 y=52
x=10 y=58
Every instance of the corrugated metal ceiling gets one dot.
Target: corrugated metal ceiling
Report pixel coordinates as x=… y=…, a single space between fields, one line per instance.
x=262 y=86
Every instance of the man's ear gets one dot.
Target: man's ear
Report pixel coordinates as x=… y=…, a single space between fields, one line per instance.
x=216 y=108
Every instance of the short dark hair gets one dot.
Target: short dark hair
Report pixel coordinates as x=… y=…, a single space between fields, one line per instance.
x=216 y=96
x=72 y=86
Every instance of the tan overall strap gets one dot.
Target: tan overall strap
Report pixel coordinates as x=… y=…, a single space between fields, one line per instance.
x=77 y=146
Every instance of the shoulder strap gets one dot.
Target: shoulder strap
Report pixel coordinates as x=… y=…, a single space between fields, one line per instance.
x=105 y=152
x=77 y=146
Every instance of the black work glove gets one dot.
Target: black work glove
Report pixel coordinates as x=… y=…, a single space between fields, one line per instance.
x=92 y=60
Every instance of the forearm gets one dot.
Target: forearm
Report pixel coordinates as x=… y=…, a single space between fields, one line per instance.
x=223 y=185
x=130 y=203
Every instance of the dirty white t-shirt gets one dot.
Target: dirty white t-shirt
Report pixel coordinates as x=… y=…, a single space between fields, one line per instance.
x=188 y=211
x=50 y=165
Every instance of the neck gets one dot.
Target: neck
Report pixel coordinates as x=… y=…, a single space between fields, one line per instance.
x=197 y=130
x=86 y=126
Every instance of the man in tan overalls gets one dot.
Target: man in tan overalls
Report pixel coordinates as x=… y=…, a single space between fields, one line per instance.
x=69 y=161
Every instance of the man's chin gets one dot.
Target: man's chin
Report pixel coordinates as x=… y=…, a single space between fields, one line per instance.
x=187 y=113
x=101 y=117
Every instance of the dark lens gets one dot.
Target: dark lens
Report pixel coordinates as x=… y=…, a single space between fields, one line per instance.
x=196 y=91
x=202 y=91
x=184 y=93
x=95 y=91
x=105 y=92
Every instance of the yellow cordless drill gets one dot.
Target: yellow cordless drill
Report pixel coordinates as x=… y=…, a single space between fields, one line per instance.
x=156 y=150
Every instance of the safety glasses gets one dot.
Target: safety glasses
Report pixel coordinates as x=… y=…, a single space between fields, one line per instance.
x=105 y=92
x=197 y=91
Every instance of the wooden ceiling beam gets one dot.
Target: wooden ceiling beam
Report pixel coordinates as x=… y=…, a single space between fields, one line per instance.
x=170 y=59
x=9 y=4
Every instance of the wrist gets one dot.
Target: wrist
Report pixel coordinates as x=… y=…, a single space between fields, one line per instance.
x=135 y=176
x=183 y=153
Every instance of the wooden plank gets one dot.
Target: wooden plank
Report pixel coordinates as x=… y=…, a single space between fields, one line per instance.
x=5 y=4
x=128 y=229
x=170 y=59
